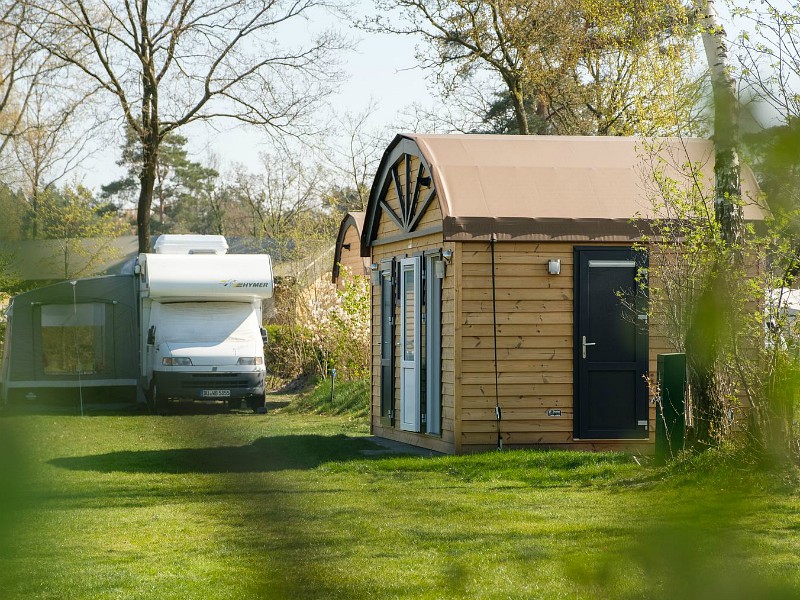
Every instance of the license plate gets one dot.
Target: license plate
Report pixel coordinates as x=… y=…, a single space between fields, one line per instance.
x=216 y=393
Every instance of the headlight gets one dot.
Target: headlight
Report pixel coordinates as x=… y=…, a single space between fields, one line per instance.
x=176 y=361
x=250 y=360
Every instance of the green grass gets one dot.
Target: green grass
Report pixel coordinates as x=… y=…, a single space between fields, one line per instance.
x=303 y=506
x=349 y=398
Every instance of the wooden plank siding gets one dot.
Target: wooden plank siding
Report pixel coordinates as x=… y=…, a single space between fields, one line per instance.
x=535 y=348
x=534 y=339
x=387 y=228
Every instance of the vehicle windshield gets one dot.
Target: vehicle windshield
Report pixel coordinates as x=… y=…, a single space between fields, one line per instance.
x=207 y=322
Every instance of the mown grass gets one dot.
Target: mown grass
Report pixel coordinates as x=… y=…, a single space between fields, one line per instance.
x=304 y=506
x=350 y=398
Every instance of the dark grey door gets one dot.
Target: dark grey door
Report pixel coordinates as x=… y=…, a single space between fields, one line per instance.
x=611 y=344
x=387 y=343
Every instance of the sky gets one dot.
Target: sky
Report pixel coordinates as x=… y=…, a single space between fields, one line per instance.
x=382 y=70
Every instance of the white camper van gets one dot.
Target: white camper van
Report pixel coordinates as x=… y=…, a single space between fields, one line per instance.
x=200 y=318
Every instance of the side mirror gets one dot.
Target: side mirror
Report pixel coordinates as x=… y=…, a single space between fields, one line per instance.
x=264 y=336
x=151 y=335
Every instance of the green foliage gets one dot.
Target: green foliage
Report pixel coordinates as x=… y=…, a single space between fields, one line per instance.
x=323 y=328
x=184 y=192
x=592 y=67
x=13 y=208
x=287 y=353
x=84 y=235
x=741 y=329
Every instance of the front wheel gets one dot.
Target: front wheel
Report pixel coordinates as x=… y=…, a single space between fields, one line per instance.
x=256 y=402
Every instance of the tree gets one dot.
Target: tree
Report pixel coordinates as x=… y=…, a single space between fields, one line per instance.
x=81 y=232
x=169 y=64
x=353 y=158
x=19 y=64
x=24 y=65
x=563 y=66
x=55 y=136
x=712 y=319
x=769 y=55
x=177 y=178
x=769 y=67
x=277 y=197
x=13 y=209
x=202 y=204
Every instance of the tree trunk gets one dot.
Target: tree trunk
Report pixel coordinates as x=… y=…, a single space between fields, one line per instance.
x=147 y=181
x=518 y=99
x=712 y=315
x=728 y=209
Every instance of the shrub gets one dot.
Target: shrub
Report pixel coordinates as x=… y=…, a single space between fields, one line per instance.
x=321 y=328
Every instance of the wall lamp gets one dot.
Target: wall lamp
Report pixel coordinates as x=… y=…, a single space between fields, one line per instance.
x=554 y=266
x=447 y=255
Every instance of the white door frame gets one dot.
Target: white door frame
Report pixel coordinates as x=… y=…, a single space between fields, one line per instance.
x=410 y=336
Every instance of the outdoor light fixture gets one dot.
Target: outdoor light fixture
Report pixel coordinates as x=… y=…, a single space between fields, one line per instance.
x=447 y=255
x=554 y=266
x=375 y=274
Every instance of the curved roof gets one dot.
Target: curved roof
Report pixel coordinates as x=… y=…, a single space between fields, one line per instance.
x=550 y=187
x=351 y=219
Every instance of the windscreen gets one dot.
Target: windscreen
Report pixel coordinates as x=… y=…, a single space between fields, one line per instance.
x=206 y=322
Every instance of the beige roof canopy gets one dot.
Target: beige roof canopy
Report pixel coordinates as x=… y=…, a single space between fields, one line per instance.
x=557 y=187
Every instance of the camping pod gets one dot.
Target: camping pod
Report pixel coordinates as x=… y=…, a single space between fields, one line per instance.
x=509 y=288
x=347 y=253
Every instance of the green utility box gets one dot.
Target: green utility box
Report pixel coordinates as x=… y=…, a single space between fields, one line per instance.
x=670 y=406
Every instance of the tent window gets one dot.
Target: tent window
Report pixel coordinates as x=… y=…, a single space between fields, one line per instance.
x=73 y=338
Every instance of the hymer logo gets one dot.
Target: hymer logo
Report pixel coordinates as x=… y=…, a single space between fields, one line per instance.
x=244 y=284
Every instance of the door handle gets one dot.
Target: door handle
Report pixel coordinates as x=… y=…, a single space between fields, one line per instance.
x=584 y=344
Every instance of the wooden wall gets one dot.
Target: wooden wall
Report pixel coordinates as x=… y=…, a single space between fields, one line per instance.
x=387 y=228
x=535 y=355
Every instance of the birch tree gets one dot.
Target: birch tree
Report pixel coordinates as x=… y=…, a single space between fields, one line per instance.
x=563 y=66
x=712 y=320
x=166 y=64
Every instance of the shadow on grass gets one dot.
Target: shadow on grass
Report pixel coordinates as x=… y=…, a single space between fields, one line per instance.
x=265 y=455
x=275 y=405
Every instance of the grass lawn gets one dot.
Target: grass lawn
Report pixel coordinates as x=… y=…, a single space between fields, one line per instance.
x=299 y=506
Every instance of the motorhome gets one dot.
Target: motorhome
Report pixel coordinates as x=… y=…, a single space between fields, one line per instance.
x=200 y=316
x=184 y=321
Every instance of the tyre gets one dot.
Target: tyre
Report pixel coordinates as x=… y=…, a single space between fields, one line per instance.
x=256 y=402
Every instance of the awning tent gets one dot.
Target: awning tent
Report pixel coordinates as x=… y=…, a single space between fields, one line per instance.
x=72 y=336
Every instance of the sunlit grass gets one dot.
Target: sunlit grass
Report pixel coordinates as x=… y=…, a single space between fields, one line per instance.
x=290 y=506
x=335 y=398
